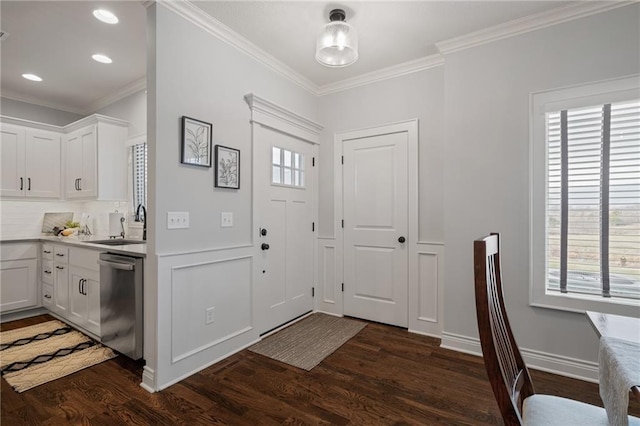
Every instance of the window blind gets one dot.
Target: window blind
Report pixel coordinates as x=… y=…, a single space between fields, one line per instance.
x=139 y=163
x=593 y=200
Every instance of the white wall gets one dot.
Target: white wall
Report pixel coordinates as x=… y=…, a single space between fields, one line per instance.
x=418 y=95
x=486 y=178
x=133 y=109
x=193 y=73
x=41 y=114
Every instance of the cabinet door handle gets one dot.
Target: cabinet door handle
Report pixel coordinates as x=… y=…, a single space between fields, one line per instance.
x=80 y=285
x=28 y=184
x=79 y=184
x=21 y=184
x=59 y=267
x=46 y=296
x=47 y=271
x=76 y=184
x=84 y=286
x=47 y=251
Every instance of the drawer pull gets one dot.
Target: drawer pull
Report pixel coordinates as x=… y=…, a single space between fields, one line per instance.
x=46 y=296
x=59 y=267
x=47 y=251
x=60 y=254
x=46 y=271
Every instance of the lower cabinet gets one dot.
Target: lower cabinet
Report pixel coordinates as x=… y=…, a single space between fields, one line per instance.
x=18 y=276
x=84 y=298
x=71 y=285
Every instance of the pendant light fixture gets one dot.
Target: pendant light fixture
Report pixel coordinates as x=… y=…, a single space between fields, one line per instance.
x=337 y=44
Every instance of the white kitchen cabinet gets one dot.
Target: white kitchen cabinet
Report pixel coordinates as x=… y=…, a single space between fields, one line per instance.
x=30 y=161
x=18 y=276
x=96 y=159
x=60 y=280
x=84 y=298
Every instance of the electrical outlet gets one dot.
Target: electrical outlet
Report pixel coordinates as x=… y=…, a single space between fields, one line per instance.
x=226 y=219
x=210 y=315
x=177 y=220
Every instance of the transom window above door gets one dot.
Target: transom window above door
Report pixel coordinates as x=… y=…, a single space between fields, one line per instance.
x=287 y=167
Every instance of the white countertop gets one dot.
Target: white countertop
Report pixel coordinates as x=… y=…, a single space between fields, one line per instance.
x=137 y=250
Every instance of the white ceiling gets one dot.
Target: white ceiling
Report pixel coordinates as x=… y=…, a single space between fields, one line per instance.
x=55 y=39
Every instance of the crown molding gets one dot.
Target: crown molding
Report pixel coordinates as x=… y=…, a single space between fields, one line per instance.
x=197 y=16
x=394 y=71
x=8 y=94
x=127 y=90
x=529 y=23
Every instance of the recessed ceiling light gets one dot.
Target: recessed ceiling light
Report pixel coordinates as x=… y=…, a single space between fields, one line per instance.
x=32 y=77
x=102 y=58
x=105 y=16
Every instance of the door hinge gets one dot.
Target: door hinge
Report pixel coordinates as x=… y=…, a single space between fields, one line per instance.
x=313 y=292
x=342 y=287
x=313 y=227
x=313 y=161
x=342 y=159
x=343 y=223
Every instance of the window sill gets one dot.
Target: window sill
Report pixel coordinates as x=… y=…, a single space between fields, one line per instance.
x=580 y=303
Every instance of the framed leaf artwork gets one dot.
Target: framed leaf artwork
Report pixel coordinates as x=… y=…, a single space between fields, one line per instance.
x=227 y=167
x=196 y=142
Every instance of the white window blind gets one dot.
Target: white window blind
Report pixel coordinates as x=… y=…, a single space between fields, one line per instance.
x=139 y=163
x=593 y=200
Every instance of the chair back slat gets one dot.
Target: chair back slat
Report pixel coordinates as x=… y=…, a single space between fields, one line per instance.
x=507 y=371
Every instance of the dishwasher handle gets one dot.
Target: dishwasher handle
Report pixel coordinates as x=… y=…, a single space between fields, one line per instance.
x=117 y=265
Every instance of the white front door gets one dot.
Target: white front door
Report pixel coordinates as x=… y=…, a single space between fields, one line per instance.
x=284 y=214
x=375 y=227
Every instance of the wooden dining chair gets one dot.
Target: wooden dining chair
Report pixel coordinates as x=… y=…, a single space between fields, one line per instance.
x=508 y=374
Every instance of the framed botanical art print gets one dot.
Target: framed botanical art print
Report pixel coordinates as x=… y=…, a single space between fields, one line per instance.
x=196 y=142
x=227 y=167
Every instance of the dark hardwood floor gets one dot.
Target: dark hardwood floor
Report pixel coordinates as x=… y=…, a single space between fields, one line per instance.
x=383 y=376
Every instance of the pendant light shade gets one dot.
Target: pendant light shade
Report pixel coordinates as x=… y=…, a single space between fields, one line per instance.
x=337 y=44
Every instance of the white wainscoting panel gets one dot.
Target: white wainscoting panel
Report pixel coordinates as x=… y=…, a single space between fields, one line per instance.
x=328 y=282
x=223 y=286
x=188 y=284
x=426 y=288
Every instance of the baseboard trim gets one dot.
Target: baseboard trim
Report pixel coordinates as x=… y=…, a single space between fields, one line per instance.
x=551 y=363
x=12 y=316
x=148 y=379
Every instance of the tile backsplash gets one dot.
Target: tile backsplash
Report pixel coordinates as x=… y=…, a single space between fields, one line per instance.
x=24 y=218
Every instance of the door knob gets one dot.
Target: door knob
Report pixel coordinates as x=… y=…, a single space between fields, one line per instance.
x=263 y=231
x=264 y=246
x=401 y=240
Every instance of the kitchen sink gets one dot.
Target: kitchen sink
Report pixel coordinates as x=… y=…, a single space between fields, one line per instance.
x=116 y=242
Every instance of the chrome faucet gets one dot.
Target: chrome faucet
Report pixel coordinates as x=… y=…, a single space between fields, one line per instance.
x=143 y=220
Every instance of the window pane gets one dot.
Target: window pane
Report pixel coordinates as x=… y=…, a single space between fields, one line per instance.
x=301 y=178
x=296 y=160
x=301 y=167
x=624 y=200
x=287 y=176
x=275 y=175
x=276 y=155
x=287 y=158
x=296 y=178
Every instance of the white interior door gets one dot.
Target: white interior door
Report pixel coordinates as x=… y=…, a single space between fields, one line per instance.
x=284 y=212
x=375 y=228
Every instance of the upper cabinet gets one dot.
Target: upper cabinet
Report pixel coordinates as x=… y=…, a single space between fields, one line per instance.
x=94 y=164
x=30 y=162
x=96 y=159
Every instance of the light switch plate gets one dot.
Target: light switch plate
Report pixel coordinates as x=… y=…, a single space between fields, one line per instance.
x=226 y=219
x=177 y=220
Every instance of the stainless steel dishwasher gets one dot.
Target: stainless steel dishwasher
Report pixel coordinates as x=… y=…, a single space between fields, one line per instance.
x=121 y=303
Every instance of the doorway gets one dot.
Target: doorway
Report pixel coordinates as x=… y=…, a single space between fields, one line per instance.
x=376 y=197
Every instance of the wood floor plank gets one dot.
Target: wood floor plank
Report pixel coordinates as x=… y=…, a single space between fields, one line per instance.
x=383 y=376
